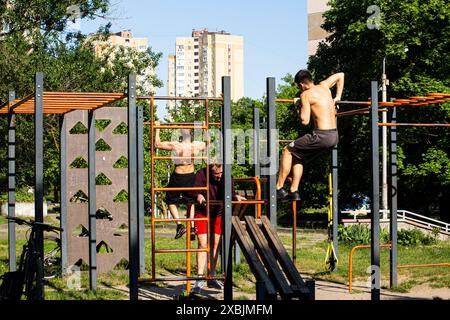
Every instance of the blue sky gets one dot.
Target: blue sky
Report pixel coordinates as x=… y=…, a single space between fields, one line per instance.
x=275 y=32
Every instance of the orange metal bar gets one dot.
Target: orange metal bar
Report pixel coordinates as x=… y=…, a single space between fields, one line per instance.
x=180 y=98
x=181 y=189
x=180 y=250
x=424 y=265
x=168 y=279
x=294 y=232
x=188 y=253
x=180 y=219
x=179 y=127
x=152 y=170
x=208 y=213
x=219 y=202
x=353 y=112
x=284 y=100
x=178 y=158
x=350 y=263
x=414 y=124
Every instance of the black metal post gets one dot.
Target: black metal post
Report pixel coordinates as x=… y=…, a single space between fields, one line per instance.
x=63 y=190
x=335 y=186
x=375 y=201
x=39 y=168
x=264 y=164
x=227 y=156
x=392 y=116
x=272 y=150
x=92 y=203
x=11 y=182
x=133 y=215
x=256 y=142
x=140 y=193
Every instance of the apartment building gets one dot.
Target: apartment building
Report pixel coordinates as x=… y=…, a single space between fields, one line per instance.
x=200 y=62
x=316 y=34
x=125 y=39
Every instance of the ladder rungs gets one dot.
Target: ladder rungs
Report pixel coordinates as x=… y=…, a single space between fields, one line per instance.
x=181 y=189
x=180 y=278
x=178 y=158
x=178 y=127
x=181 y=220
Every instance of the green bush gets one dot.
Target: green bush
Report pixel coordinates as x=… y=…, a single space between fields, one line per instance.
x=415 y=237
x=354 y=234
x=22 y=195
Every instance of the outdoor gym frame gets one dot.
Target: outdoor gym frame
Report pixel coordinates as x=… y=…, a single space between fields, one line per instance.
x=373 y=108
x=61 y=103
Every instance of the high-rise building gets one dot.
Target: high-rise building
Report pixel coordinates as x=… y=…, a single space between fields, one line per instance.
x=200 y=62
x=316 y=34
x=125 y=39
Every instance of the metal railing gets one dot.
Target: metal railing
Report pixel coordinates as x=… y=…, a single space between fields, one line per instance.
x=407 y=216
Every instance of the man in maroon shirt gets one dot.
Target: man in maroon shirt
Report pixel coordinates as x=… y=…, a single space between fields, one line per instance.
x=215 y=222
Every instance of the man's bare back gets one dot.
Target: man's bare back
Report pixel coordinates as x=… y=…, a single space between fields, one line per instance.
x=322 y=107
x=317 y=102
x=185 y=148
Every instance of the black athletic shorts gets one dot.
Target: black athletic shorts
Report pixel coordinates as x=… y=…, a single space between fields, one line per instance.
x=310 y=144
x=178 y=180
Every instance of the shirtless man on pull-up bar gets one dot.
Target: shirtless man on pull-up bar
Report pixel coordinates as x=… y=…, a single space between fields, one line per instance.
x=183 y=176
x=316 y=101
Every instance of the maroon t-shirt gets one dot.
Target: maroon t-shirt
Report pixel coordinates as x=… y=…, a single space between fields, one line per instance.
x=215 y=193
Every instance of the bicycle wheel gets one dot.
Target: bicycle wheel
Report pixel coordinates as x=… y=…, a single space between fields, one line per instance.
x=52 y=259
x=34 y=288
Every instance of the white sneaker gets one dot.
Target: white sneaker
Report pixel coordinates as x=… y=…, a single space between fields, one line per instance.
x=198 y=286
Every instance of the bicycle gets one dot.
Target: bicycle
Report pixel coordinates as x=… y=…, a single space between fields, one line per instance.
x=29 y=278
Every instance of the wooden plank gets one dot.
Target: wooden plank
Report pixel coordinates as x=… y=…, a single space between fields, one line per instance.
x=275 y=273
x=284 y=259
x=250 y=254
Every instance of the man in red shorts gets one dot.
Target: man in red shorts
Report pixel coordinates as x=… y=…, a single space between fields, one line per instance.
x=215 y=225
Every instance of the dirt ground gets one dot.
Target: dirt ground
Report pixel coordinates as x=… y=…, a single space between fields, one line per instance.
x=324 y=291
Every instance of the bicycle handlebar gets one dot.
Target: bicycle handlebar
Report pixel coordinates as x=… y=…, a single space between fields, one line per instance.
x=34 y=224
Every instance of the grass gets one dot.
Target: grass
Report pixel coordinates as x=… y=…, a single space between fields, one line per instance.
x=310 y=261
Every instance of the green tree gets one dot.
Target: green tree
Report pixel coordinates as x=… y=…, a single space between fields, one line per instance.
x=414 y=37
x=68 y=64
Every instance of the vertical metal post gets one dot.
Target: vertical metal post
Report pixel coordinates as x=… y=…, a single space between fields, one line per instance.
x=92 y=208
x=63 y=190
x=39 y=167
x=140 y=193
x=11 y=182
x=384 y=185
x=133 y=215
x=375 y=201
x=256 y=142
x=272 y=150
x=264 y=180
x=227 y=260
x=393 y=196
x=335 y=185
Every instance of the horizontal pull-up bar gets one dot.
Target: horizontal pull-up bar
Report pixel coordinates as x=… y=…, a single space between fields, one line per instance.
x=178 y=158
x=181 y=189
x=414 y=124
x=179 y=220
x=180 y=98
x=176 y=126
x=364 y=111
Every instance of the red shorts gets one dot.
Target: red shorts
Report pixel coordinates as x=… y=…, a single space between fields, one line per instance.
x=215 y=224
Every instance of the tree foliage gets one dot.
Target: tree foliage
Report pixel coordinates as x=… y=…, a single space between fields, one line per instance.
x=37 y=39
x=414 y=38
